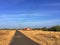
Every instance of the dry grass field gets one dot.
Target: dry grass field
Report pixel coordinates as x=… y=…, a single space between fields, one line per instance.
x=6 y=36
x=43 y=37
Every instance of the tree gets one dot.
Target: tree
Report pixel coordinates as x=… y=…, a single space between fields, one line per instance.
x=55 y=28
x=45 y=29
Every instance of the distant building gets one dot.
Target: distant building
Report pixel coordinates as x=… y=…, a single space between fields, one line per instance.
x=27 y=29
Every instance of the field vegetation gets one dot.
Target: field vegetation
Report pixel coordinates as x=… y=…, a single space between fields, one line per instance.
x=6 y=36
x=43 y=37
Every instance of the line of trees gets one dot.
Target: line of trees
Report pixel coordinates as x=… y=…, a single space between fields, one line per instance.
x=54 y=28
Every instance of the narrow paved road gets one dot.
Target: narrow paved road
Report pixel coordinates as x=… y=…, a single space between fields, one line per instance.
x=20 y=39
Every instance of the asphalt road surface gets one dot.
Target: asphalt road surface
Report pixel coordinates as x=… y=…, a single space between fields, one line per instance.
x=20 y=39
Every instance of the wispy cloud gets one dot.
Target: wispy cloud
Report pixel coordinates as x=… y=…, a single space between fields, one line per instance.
x=14 y=2
x=22 y=15
x=42 y=23
x=51 y=4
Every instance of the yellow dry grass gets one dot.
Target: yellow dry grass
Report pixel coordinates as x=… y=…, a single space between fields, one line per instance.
x=43 y=37
x=6 y=36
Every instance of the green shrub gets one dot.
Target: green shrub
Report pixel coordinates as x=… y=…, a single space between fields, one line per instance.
x=54 y=28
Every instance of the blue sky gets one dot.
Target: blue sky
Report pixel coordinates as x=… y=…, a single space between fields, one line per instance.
x=29 y=13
